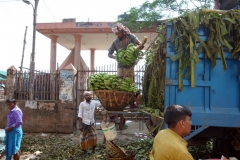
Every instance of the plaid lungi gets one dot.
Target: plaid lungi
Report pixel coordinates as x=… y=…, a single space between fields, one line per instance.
x=126 y=72
x=88 y=138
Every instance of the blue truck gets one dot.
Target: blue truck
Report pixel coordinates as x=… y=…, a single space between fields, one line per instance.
x=214 y=102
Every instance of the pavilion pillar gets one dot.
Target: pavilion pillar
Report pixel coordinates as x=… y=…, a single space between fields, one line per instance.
x=53 y=54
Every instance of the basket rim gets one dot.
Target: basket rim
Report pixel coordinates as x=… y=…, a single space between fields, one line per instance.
x=113 y=91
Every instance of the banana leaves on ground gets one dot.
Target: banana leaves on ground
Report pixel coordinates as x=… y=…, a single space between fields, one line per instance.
x=58 y=146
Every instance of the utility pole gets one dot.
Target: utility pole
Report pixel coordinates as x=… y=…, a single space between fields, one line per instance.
x=24 y=43
x=32 y=63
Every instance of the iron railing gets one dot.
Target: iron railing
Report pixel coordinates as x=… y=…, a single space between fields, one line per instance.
x=46 y=84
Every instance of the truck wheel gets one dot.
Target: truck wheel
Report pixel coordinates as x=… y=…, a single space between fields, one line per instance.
x=217 y=147
x=224 y=148
x=237 y=154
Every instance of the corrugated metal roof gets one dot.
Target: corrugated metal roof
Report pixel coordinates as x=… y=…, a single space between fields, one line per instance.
x=3 y=75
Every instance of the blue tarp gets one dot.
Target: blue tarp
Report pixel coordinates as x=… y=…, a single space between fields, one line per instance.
x=2 y=138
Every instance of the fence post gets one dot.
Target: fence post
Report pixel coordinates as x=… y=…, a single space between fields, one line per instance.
x=10 y=82
x=52 y=85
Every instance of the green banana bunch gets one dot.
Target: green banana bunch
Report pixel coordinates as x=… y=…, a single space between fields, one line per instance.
x=129 y=56
x=96 y=81
x=104 y=81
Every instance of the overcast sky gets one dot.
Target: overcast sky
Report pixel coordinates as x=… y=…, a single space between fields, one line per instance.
x=16 y=15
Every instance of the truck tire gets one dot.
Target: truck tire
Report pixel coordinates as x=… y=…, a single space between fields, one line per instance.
x=237 y=153
x=223 y=147
x=217 y=147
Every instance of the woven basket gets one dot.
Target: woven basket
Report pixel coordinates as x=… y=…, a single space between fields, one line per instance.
x=109 y=131
x=114 y=100
x=130 y=156
x=114 y=151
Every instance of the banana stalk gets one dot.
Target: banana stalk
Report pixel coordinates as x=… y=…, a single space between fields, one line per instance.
x=192 y=62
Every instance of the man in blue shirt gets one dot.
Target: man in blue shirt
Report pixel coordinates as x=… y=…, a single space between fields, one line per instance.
x=124 y=38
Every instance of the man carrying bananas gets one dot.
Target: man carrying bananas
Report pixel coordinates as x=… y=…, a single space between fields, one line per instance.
x=124 y=38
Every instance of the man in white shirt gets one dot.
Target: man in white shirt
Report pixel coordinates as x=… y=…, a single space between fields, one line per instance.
x=88 y=137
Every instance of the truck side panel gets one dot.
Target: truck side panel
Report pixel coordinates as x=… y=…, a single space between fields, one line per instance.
x=215 y=101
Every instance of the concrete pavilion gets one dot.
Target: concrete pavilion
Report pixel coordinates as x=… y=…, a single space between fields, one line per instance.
x=78 y=36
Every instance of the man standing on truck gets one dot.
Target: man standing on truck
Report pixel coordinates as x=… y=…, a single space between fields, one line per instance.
x=226 y=4
x=124 y=38
x=169 y=143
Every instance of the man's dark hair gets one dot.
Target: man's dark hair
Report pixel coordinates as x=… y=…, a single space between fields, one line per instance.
x=174 y=113
x=10 y=100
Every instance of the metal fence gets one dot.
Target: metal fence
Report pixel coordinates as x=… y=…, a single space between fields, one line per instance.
x=2 y=96
x=46 y=86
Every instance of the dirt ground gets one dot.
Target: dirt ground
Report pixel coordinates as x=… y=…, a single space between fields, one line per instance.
x=133 y=131
x=52 y=146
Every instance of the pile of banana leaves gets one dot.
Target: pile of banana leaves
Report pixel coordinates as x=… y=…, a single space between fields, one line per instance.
x=57 y=146
x=223 y=35
x=154 y=76
x=223 y=32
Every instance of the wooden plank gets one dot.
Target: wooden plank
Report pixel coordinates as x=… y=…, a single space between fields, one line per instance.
x=57 y=86
x=26 y=84
x=121 y=122
x=45 y=88
x=20 y=86
x=41 y=86
x=48 y=86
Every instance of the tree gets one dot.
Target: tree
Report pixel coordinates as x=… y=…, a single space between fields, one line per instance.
x=151 y=13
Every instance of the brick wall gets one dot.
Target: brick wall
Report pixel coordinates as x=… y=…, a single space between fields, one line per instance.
x=43 y=116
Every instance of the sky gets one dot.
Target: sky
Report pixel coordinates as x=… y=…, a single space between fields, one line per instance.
x=15 y=15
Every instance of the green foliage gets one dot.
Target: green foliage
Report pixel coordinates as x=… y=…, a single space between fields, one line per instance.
x=141 y=147
x=150 y=13
x=154 y=75
x=203 y=151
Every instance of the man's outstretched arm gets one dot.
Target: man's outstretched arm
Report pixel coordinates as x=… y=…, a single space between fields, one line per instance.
x=111 y=55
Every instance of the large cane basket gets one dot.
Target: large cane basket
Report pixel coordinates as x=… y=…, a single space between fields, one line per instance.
x=117 y=153
x=115 y=100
